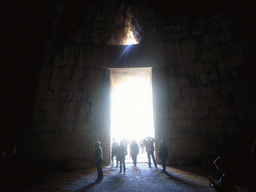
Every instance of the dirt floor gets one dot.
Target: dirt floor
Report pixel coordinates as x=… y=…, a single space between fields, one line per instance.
x=140 y=178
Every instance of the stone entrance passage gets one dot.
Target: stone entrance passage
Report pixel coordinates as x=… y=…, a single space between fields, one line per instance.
x=131 y=107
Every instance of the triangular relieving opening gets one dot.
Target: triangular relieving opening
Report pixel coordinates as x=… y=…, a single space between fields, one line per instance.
x=126 y=28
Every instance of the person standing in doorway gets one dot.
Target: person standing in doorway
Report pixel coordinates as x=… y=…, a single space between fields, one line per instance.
x=115 y=146
x=134 y=151
x=122 y=152
x=163 y=154
x=149 y=142
x=99 y=158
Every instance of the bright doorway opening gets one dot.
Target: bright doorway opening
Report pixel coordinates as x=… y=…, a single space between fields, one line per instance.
x=131 y=107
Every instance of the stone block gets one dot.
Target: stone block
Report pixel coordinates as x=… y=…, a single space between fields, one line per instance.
x=188 y=50
x=37 y=105
x=39 y=116
x=213 y=27
x=178 y=113
x=211 y=54
x=179 y=35
x=71 y=60
x=56 y=73
x=213 y=77
x=206 y=102
x=235 y=47
x=229 y=121
x=57 y=60
x=196 y=68
x=66 y=72
x=183 y=82
x=80 y=72
x=217 y=100
x=213 y=90
x=174 y=28
x=191 y=92
x=41 y=94
x=55 y=95
x=173 y=82
x=74 y=84
x=193 y=102
x=218 y=111
x=225 y=35
x=204 y=92
x=53 y=116
x=183 y=102
x=227 y=21
x=230 y=6
x=206 y=122
x=43 y=84
x=185 y=124
x=46 y=126
x=89 y=84
x=227 y=88
x=217 y=14
x=66 y=95
x=81 y=61
x=231 y=62
x=198 y=31
x=45 y=72
x=204 y=79
x=78 y=95
x=55 y=84
x=200 y=21
x=210 y=40
x=95 y=73
x=182 y=69
x=208 y=67
x=66 y=54
x=195 y=112
x=50 y=106
x=186 y=26
x=68 y=106
x=66 y=84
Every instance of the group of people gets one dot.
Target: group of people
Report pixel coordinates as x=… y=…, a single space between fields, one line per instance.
x=120 y=151
x=225 y=183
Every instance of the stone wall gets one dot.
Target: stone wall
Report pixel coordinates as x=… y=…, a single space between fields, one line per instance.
x=199 y=87
x=207 y=87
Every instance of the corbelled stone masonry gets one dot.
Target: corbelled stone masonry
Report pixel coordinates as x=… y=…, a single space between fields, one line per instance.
x=200 y=76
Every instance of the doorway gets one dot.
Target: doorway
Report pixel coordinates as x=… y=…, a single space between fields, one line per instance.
x=131 y=107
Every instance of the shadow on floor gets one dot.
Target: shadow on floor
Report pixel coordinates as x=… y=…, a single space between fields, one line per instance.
x=88 y=186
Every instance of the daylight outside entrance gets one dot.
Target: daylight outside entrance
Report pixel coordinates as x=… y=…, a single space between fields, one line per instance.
x=131 y=108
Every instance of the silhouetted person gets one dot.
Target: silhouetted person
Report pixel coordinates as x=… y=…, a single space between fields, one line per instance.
x=254 y=151
x=149 y=142
x=226 y=182
x=134 y=151
x=122 y=152
x=142 y=146
x=115 y=146
x=8 y=166
x=163 y=154
x=99 y=158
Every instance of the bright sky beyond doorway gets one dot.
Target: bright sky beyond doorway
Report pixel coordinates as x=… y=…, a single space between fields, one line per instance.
x=131 y=103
